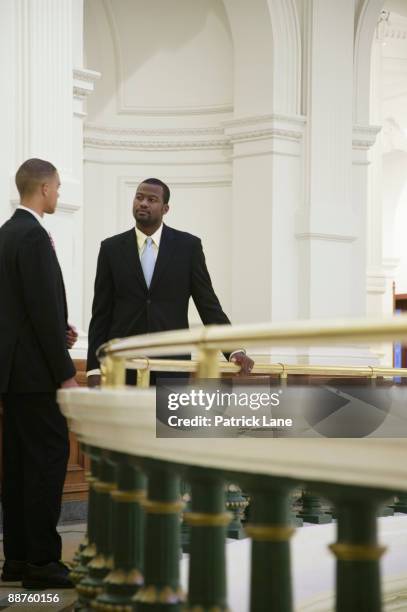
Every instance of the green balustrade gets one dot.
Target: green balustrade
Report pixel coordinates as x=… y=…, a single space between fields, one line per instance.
x=161 y=591
x=357 y=551
x=270 y=528
x=121 y=584
x=400 y=505
x=101 y=564
x=312 y=510
x=208 y=522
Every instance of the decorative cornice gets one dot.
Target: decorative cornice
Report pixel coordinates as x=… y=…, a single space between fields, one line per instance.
x=364 y=136
x=83 y=82
x=260 y=127
x=325 y=237
x=154 y=145
x=218 y=137
x=394 y=29
x=143 y=139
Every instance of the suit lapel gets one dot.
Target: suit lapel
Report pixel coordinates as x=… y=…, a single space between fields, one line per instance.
x=167 y=244
x=132 y=258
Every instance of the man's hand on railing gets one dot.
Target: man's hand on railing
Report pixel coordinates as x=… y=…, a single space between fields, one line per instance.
x=69 y=384
x=94 y=380
x=246 y=364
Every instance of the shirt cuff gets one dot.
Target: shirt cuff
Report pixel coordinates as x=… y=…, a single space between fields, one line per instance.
x=236 y=351
x=93 y=373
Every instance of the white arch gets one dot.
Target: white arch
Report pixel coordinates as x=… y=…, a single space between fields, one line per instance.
x=286 y=56
x=278 y=32
x=366 y=26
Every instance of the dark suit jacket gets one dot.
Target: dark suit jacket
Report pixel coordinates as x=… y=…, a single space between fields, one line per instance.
x=33 y=311
x=124 y=306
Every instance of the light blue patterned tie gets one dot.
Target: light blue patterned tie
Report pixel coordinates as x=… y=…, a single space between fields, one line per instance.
x=148 y=258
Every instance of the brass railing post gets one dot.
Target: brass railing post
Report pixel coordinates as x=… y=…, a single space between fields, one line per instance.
x=143 y=378
x=113 y=371
x=208 y=363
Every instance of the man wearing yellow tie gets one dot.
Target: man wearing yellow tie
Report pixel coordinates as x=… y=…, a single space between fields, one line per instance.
x=145 y=278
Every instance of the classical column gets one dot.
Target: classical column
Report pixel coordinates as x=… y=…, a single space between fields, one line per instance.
x=331 y=227
x=42 y=116
x=267 y=189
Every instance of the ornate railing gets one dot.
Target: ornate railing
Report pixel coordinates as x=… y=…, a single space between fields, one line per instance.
x=131 y=558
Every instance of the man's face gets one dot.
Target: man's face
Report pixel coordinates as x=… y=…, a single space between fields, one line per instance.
x=148 y=205
x=50 y=192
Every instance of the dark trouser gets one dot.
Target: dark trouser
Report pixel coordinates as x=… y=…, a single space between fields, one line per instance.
x=35 y=457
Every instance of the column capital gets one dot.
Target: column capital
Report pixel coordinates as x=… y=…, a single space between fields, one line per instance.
x=84 y=82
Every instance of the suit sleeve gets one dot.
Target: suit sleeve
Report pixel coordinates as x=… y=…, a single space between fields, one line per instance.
x=42 y=296
x=102 y=308
x=202 y=292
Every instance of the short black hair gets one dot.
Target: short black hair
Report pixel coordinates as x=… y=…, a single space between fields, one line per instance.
x=165 y=188
x=32 y=173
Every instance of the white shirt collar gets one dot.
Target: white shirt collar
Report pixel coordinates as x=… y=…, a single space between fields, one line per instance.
x=141 y=236
x=30 y=210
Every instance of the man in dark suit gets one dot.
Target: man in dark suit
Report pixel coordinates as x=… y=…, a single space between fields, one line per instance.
x=35 y=362
x=145 y=278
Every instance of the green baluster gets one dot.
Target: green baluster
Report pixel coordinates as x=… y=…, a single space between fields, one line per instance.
x=128 y=530
x=208 y=521
x=270 y=528
x=400 y=504
x=98 y=568
x=236 y=503
x=185 y=530
x=386 y=509
x=358 y=586
x=80 y=571
x=85 y=542
x=312 y=511
x=161 y=591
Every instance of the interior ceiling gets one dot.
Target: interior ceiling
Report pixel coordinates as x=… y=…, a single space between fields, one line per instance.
x=396 y=6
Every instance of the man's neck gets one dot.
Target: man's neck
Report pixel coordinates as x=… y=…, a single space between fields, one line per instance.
x=35 y=206
x=148 y=230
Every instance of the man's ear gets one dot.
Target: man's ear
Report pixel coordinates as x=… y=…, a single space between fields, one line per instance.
x=44 y=189
x=166 y=208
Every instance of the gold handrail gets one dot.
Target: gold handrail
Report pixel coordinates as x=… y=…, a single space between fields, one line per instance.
x=209 y=340
x=228 y=337
x=178 y=365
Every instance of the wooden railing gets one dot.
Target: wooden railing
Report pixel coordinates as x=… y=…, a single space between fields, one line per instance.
x=131 y=558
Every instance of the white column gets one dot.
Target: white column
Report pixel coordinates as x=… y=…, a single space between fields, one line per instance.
x=376 y=274
x=331 y=228
x=43 y=117
x=8 y=74
x=267 y=182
